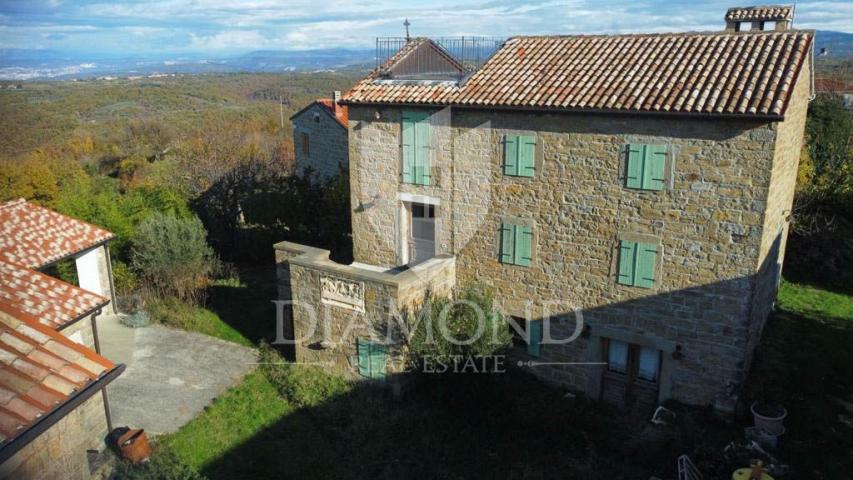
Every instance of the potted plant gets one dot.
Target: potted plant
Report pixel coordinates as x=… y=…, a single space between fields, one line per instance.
x=768 y=416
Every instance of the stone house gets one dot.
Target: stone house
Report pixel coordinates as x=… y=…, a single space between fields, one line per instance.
x=627 y=197
x=320 y=138
x=54 y=411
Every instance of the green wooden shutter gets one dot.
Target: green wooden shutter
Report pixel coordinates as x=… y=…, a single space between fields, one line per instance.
x=526 y=155
x=523 y=245
x=377 y=361
x=634 y=175
x=534 y=345
x=408 y=145
x=653 y=167
x=511 y=155
x=644 y=272
x=363 y=347
x=627 y=252
x=507 y=243
x=423 y=142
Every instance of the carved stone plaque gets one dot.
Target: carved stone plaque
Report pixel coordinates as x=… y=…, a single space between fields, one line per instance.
x=342 y=293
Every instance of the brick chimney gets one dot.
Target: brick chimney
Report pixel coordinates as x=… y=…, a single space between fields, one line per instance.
x=759 y=17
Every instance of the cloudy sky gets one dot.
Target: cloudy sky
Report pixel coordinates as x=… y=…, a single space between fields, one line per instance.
x=210 y=27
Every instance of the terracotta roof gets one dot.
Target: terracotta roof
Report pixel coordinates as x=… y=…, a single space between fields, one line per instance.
x=832 y=85
x=765 y=13
x=40 y=371
x=723 y=73
x=339 y=112
x=54 y=302
x=33 y=236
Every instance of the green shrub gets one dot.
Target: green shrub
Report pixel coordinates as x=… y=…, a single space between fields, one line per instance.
x=446 y=330
x=172 y=257
x=302 y=385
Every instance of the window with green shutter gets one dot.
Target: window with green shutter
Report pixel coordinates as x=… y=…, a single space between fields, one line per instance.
x=516 y=244
x=534 y=343
x=519 y=155
x=371 y=359
x=416 y=146
x=645 y=167
x=637 y=263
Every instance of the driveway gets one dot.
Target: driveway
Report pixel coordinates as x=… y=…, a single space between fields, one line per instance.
x=171 y=375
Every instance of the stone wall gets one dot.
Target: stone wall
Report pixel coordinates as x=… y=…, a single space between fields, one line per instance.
x=327 y=149
x=325 y=332
x=60 y=452
x=780 y=200
x=708 y=222
x=81 y=332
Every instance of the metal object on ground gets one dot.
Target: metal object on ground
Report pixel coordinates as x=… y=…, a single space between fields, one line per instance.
x=134 y=446
x=686 y=469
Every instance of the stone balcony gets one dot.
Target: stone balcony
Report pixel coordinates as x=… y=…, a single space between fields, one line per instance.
x=334 y=304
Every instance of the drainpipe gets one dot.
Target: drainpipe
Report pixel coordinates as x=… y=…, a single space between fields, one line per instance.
x=112 y=284
x=98 y=350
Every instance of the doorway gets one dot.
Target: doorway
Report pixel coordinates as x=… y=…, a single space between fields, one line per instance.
x=632 y=377
x=420 y=240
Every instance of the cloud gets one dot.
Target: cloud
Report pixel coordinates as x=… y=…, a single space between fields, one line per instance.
x=198 y=26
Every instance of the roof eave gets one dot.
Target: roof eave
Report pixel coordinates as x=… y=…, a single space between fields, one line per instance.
x=51 y=418
x=592 y=111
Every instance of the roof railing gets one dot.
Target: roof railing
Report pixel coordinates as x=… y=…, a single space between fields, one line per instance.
x=471 y=52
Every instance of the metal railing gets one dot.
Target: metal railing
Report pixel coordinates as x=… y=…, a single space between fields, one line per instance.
x=471 y=52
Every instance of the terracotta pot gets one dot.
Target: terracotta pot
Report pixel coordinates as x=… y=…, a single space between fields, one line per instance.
x=134 y=446
x=770 y=423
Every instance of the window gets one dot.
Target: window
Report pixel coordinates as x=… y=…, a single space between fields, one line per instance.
x=637 y=264
x=519 y=155
x=645 y=169
x=617 y=357
x=371 y=359
x=516 y=244
x=305 y=144
x=632 y=360
x=416 y=146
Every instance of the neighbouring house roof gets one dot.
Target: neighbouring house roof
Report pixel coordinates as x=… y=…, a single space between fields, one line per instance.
x=54 y=302
x=33 y=236
x=767 y=13
x=711 y=73
x=42 y=376
x=338 y=112
x=832 y=85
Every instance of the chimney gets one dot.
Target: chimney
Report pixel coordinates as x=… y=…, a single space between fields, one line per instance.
x=336 y=96
x=759 y=18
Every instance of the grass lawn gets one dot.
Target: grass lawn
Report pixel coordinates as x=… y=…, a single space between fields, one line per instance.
x=289 y=421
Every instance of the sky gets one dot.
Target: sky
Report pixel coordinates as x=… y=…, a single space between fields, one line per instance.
x=221 y=27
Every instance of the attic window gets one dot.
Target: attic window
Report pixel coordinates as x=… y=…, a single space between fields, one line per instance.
x=316 y=118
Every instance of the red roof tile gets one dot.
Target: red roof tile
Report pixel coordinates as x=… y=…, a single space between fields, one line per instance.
x=338 y=111
x=768 y=13
x=722 y=73
x=33 y=236
x=54 y=302
x=40 y=370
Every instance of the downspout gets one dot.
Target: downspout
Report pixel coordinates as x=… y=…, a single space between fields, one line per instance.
x=104 y=395
x=106 y=248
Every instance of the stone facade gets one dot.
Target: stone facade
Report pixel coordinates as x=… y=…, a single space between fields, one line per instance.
x=728 y=190
x=81 y=332
x=326 y=152
x=60 y=453
x=326 y=327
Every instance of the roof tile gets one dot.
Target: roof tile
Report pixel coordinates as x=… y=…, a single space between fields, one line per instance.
x=728 y=73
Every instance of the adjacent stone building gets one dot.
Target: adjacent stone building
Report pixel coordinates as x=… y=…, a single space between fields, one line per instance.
x=54 y=413
x=320 y=138
x=631 y=193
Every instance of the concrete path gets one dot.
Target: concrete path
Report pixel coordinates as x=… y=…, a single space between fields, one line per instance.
x=171 y=374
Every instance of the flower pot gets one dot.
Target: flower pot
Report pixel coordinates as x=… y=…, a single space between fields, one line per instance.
x=769 y=417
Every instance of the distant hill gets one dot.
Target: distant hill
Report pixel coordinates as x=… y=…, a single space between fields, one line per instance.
x=18 y=64
x=837 y=44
